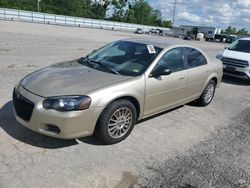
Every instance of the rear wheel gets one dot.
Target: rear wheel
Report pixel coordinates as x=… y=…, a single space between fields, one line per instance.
x=207 y=94
x=116 y=121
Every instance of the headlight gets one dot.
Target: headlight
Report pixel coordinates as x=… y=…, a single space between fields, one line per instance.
x=67 y=103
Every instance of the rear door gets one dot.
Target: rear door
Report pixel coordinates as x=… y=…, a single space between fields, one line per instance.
x=166 y=91
x=197 y=72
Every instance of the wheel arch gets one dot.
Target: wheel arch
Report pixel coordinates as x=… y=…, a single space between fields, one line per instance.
x=130 y=98
x=133 y=100
x=211 y=77
x=215 y=79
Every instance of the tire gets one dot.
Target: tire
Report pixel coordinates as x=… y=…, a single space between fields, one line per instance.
x=208 y=94
x=119 y=117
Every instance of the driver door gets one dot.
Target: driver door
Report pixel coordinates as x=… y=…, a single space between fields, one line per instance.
x=166 y=91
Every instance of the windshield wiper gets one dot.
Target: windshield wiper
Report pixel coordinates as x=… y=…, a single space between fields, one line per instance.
x=85 y=60
x=103 y=66
x=90 y=62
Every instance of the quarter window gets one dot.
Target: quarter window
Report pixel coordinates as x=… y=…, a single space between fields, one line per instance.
x=194 y=58
x=171 y=60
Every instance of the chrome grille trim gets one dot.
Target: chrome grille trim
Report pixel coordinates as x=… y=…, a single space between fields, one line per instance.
x=234 y=62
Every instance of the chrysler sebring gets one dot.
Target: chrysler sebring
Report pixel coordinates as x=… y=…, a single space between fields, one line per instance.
x=112 y=88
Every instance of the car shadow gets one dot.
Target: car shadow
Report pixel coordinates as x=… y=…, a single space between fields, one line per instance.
x=23 y=134
x=235 y=81
x=157 y=115
x=92 y=140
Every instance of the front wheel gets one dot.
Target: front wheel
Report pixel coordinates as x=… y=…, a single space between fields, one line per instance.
x=116 y=121
x=207 y=94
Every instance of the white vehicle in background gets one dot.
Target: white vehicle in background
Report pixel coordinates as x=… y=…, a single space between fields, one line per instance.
x=236 y=59
x=200 y=36
x=155 y=31
x=210 y=35
x=141 y=31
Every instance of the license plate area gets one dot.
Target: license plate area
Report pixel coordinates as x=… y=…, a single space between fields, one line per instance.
x=230 y=69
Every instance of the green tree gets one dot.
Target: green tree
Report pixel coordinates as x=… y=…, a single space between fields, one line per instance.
x=19 y=4
x=242 y=31
x=134 y=11
x=167 y=23
x=81 y=8
x=231 y=30
x=100 y=8
x=119 y=9
x=139 y=11
x=156 y=17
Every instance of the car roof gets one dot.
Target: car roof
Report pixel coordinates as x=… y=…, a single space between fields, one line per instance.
x=161 y=43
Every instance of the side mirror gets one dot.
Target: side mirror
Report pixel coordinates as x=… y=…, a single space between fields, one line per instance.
x=226 y=47
x=219 y=56
x=158 y=73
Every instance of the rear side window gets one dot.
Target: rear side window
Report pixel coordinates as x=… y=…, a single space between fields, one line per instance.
x=171 y=60
x=194 y=58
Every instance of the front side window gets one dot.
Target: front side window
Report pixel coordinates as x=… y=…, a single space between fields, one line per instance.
x=241 y=46
x=124 y=57
x=171 y=60
x=194 y=58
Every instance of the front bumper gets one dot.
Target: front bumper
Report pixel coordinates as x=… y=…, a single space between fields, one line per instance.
x=238 y=72
x=66 y=125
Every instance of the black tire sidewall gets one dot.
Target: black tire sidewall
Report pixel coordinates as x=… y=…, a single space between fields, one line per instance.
x=103 y=120
x=202 y=98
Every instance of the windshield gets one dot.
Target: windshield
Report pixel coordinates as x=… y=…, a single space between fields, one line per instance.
x=124 y=57
x=241 y=46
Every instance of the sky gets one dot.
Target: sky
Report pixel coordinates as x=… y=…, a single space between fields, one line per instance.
x=216 y=13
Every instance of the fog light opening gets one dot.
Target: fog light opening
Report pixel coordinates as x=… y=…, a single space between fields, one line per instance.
x=52 y=128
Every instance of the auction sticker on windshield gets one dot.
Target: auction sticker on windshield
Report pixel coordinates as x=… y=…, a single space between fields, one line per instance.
x=151 y=49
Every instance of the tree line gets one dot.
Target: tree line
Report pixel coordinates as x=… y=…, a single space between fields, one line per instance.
x=233 y=31
x=131 y=11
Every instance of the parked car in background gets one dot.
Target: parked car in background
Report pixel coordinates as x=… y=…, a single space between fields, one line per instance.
x=220 y=37
x=188 y=37
x=158 y=31
x=155 y=31
x=108 y=91
x=164 y=32
x=231 y=38
x=236 y=59
x=141 y=31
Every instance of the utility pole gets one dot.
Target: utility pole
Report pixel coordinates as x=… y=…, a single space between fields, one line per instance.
x=174 y=12
x=38 y=5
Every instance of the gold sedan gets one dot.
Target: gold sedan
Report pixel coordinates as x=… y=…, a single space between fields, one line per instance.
x=107 y=91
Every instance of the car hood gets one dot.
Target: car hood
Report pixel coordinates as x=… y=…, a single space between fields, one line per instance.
x=68 y=78
x=236 y=55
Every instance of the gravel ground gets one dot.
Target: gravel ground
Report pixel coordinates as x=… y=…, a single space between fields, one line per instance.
x=186 y=147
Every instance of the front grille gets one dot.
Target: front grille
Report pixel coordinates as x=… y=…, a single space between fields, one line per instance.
x=23 y=106
x=234 y=62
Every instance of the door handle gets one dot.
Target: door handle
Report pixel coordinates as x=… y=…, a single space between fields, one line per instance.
x=181 y=78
